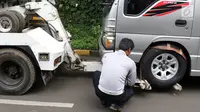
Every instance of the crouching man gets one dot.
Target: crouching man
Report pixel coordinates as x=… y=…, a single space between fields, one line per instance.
x=113 y=85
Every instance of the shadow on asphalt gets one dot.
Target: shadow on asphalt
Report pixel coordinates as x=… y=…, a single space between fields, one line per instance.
x=191 y=83
x=188 y=83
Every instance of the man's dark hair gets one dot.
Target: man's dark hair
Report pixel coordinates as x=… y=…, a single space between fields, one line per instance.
x=126 y=44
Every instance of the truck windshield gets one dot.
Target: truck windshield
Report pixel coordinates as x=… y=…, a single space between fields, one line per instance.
x=107 y=5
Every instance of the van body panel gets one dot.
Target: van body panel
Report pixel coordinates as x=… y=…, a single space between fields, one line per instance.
x=142 y=42
x=196 y=25
x=152 y=25
x=196 y=33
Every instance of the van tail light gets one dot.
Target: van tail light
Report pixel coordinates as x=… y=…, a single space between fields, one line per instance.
x=108 y=42
x=108 y=38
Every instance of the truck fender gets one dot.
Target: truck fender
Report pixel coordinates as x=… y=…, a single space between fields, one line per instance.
x=27 y=50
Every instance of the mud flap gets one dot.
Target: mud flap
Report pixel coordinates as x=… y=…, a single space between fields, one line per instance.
x=47 y=76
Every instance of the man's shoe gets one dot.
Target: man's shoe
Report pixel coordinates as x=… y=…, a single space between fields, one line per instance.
x=113 y=107
x=116 y=108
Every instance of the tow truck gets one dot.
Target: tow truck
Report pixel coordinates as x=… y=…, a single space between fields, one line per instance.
x=33 y=44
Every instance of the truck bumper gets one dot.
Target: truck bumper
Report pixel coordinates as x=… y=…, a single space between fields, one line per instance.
x=48 y=51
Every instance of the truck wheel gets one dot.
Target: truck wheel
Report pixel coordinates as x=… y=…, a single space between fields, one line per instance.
x=9 y=22
x=21 y=20
x=163 y=68
x=17 y=72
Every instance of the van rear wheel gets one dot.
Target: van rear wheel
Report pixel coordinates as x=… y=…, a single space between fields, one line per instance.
x=17 y=72
x=163 y=68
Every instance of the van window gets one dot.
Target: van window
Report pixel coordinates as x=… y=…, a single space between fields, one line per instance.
x=135 y=7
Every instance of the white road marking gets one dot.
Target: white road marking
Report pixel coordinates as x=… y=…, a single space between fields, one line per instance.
x=36 y=103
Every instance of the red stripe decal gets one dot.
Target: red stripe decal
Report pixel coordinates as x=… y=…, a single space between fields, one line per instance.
x=164 y=3
x=165 y=13
x=172 y=4
x=146 y=15
x=182 y=5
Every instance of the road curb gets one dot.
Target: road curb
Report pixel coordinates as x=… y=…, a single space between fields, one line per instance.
x=87 y=52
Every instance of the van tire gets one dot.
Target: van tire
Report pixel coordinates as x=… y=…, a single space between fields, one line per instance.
x=17 y=72
x=148 y=64
x=21 y=20
x=11 y=20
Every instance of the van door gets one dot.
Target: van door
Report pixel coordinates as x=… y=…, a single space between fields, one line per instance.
x=144 y=20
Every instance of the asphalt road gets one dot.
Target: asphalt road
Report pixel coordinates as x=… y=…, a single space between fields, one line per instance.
x=78 y=90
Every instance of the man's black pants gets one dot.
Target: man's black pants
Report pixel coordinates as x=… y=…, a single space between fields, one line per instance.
x=110 y=99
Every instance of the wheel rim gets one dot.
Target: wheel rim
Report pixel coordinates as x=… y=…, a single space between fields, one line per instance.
x=5 y=24
x=164 y=66
x=11 y=73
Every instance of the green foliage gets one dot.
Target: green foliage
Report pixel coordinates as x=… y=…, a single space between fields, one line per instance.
x=84 y=37
x=87 y=12
x=82 y=18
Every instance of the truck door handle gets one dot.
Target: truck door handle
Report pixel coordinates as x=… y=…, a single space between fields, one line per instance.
x=181 y=23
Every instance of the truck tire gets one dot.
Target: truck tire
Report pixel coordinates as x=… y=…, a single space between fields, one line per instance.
x=9 y=22
x=21 y=20
x=17 y=72
x=162 y=69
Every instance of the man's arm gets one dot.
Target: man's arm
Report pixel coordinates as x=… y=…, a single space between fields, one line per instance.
x=131 y=78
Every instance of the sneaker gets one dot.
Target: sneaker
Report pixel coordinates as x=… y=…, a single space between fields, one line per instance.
x=116 y=108
x=119 y=109
x=113 y=107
